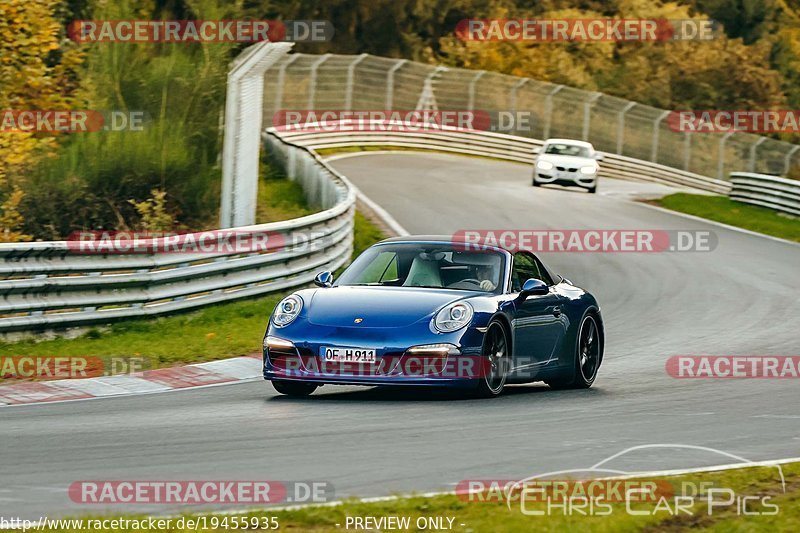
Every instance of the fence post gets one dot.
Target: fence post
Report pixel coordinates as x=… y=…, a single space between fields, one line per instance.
x=282 y=81
x=390 y=82
x=244 y=102
x=753 y=149
x=656 y=133
x=312 y=83
x=548 y=111
x=787 y=161
x=587 y=114
x=427 y=99
x=351 y=74
x=471 y=90
x=721 y=161
x=687 y=150
x=621 y=126
x=514 y=90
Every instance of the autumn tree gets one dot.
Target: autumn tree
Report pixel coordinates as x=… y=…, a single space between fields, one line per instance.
x=38 y=72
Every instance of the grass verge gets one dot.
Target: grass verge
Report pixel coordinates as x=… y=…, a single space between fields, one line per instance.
x=771 y=509
x=215 y=332
x=727 y=211
x=279 y=198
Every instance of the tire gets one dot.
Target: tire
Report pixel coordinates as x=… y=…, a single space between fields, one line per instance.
x=592 y=190
x=536 y=183
x=294 y=388
x=588 y=356
x=496 y=350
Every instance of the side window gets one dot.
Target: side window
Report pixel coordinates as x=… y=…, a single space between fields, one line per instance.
x=525 y=267
x=544 y=274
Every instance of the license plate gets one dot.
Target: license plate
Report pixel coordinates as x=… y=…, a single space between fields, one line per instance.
x=348 y=355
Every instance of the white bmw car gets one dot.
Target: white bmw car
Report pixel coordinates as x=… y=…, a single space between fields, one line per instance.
x=567 y=162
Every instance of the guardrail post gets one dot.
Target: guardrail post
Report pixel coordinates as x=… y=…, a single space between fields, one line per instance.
x=787 y=160
x=656 y=133
x=587 y=114
x=390 y=82
x=312 y=82
x=753 y=149
x=621 y=126
x=471 y=90
x=351 y=74
x=721 y=160
x=548 y=111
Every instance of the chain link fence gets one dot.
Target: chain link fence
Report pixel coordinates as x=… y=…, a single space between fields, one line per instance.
x=614 y=125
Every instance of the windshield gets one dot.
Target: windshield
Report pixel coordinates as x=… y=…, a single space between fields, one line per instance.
x=432 y=265
x=567 y=149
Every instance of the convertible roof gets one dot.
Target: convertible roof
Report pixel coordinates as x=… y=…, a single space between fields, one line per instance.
x=432 y=238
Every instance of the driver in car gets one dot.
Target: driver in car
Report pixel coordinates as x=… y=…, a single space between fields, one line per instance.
x=485 y=275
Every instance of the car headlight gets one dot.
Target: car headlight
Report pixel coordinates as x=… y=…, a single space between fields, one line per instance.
x=544 y=165
x=287 y=310
x=588 y=170
x=453 y=317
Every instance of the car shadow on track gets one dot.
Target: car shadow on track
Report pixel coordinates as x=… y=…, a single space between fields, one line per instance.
x=426 y=394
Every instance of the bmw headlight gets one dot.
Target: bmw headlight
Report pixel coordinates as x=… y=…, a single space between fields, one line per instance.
x=287 y=310
x=544 y=165
x=453 y=317
x=588 y=170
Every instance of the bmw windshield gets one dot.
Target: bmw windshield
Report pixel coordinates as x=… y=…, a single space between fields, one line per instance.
x=567 y=149
x=429 y=265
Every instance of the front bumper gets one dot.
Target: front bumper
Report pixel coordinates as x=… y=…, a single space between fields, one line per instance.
x=587 y=181
x=450 y=360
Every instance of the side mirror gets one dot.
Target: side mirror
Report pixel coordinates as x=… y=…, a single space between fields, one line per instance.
x=534 y=287
x=324 y=279
x=599 y=157
x=537 y=150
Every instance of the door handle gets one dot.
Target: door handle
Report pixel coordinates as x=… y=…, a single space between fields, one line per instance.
x=556 y=311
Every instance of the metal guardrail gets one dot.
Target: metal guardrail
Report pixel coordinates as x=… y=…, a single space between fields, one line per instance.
x=780 y=194
x=488 y=144
x=51 y=285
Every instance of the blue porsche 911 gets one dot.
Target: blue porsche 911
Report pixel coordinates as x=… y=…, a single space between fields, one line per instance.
x=429 y=310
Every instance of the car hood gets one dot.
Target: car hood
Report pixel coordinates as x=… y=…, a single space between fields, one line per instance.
x=377 y=307
x=567 y=160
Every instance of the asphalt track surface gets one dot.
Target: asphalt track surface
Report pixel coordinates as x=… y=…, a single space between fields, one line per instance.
x=740 y=299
